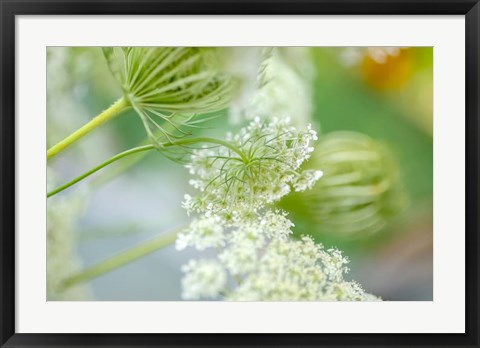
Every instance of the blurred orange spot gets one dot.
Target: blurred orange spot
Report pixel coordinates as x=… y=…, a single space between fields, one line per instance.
x=392 y=71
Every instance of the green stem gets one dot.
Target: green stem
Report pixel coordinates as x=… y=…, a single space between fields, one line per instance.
x=141 y=149
x=114 y=110
x=100 y=166
x=120 y=167
x=121 y=259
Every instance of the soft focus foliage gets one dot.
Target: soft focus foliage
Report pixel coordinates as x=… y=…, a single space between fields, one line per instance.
x=271 y=205
x=283 y=89
x=62 y=261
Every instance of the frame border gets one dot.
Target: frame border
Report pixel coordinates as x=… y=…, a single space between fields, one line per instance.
x=10 y=8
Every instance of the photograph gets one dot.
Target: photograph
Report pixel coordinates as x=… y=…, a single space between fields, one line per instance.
x=239 y=173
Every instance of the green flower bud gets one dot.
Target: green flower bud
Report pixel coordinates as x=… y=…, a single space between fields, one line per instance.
x=359 y=192
x=169 y=87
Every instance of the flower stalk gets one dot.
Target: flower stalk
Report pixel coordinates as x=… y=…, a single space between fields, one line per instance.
x=121 y=259
x=114 y=110
x=143 y=148
x=100 y=166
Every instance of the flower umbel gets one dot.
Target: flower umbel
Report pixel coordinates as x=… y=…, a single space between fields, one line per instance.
x=299 y=270
x=264 y=264
x=257 y=259
x=260 y=166
x=204 y=232
x=203 y=279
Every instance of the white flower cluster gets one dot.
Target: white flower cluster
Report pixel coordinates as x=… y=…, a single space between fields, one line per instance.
x=264 y=264
x=260 y=166
x=257 y=258
x=204 y=279
x=203 y=233
x=291 y=270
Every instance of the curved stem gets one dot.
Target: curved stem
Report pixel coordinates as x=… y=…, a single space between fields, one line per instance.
x=114 y=110
x=122 y=258
x=141 y=149
x=100 y=166
x=121 y=167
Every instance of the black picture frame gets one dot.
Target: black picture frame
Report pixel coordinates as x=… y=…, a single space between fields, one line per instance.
x=11 y=8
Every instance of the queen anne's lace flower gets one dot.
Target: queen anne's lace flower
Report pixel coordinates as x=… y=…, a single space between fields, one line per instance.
x=306 y=179
x=257 y=259
x=275 y=224
x=202 y=233
x=203 y=279
x=259 y=167
x=266 y=265
x=245 y=240
x=301 y=270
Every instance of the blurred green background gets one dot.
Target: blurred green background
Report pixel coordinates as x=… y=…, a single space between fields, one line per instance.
x=390 y=102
